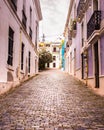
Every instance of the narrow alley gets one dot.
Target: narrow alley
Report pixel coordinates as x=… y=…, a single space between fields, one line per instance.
x=53 y=100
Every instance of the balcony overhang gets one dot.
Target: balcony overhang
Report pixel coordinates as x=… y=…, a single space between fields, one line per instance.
x=92 y=39
x=73 y=28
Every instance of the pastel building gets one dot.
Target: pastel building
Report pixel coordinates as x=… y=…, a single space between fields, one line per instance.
x=19 y=25
x=54 y=49
x=85 y=32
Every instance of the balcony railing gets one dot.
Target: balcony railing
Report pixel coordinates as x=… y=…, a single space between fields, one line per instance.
x=80 y=7
x=69 y=37
x=73 y=28
x=94 y=23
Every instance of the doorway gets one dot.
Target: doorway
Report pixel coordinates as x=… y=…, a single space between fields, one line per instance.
x=54 y=65
x=82 y=65
x=96 y=58
x=74 y=61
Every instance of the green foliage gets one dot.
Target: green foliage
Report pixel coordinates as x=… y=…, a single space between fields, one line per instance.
x=44 y=57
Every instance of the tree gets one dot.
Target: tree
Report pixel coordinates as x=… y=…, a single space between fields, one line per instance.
x=44 y=57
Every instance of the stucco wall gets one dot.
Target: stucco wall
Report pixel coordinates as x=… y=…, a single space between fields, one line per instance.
x=9 y=19
x=102 y=54
x=90 y=62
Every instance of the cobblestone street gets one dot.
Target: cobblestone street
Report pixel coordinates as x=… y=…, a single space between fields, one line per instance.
x=53 y=100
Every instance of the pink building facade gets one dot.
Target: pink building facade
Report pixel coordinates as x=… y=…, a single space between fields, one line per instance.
x=84 y=30
x=18 y=41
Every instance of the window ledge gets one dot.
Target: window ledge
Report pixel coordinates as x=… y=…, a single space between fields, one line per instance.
x=90 y=77
x=101 y=76
x=10 y=67
x=22 y=72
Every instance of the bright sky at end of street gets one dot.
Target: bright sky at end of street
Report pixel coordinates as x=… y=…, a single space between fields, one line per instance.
x=54 y=14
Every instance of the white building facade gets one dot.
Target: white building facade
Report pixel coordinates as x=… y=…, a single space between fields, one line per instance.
x=55 y=50
x=18 y=41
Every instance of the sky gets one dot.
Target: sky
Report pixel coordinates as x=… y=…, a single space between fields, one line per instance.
x=54 y=14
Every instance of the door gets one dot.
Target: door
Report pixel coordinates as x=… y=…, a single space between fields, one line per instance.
x=48 y=65
x=82 y=65
x=74 y=61
x=54 y=65
x=71 y=62
x=96 y=55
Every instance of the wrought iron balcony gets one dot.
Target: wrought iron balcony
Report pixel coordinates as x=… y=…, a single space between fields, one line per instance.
x=73 y=28
x=94 y=23
x=80 y=7
x=69 y=37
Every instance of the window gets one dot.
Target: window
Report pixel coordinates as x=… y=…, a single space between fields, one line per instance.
x=14 y=4
x=48 y=65
x=30 y=30
x=54 y=49
x=54 y=57
x=24 y=19
x=36 y=33
x=47 y=45
x=30 y=16
x=82 y=29
x=30 y=33
x=24 y=5
x=54 y=65
x=29 y=61
x=75 y=11
x=22 y=56
x=10 y=46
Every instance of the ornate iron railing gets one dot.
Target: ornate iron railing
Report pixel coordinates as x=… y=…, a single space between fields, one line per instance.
x=80 y=7
x=73 y=28
x=69 y=37
x=94 y=23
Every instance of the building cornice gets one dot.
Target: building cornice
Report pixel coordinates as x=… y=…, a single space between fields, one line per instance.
x=68 y=16
x=38 y=7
